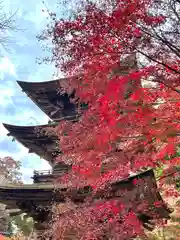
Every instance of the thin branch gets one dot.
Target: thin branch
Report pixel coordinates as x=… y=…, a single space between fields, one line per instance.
x=156 y=61
x=167 y=175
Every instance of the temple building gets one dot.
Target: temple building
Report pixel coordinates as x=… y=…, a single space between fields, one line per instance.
x=37 y=199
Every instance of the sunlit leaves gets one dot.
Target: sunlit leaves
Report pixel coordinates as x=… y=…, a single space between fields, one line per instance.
x=127 y=127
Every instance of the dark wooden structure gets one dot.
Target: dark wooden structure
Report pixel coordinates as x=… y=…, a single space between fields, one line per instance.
x=36 y=199
x=51 y=98
x=36 y=139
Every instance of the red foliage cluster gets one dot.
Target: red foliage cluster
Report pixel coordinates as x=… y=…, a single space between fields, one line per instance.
x=127 y=126
x=98 y=221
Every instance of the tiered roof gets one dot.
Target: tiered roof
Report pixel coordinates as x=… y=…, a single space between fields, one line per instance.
x=57 y=105
x=29 y=197
x=53 y=101
x=50 y=98
x=36 y=139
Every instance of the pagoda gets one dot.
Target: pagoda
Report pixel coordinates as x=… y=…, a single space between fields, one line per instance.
x=38 y=198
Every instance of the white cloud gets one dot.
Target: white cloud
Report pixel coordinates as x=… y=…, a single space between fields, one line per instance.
x=6 y=66
x=29 y=171
x=5 y=95
x=15 y=155
x=43 y=73
x=28 y=118
x=27 y=174
x=3 y=132
x=38 y=16
x=44 y=165
x=21 y=63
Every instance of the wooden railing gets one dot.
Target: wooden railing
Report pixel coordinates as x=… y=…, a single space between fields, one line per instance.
x=46 y=175
x=42 y=172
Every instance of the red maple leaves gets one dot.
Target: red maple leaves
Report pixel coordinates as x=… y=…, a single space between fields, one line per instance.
x=127 y=126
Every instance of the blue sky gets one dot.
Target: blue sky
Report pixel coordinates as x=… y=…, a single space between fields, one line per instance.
x=20 y=64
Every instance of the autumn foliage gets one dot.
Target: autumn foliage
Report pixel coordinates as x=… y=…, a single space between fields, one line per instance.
x=9 y=170
x=128 y=125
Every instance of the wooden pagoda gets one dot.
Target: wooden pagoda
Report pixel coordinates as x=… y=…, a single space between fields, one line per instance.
x=36 y=199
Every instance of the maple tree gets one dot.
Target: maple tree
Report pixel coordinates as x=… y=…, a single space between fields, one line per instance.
x=10 y=170
x=9 y=173
x=128 y=125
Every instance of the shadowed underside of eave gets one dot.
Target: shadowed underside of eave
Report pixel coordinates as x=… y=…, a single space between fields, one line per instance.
x=50 y=98
x=36 y=139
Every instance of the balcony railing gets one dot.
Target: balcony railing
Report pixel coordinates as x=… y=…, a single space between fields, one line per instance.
x=46 y=175
x=42 y=176
x=42 y=172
